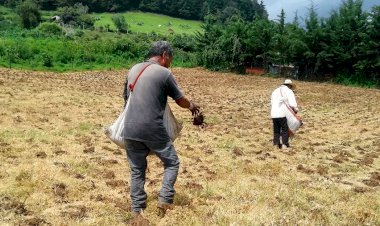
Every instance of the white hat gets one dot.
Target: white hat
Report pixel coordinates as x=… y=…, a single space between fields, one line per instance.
x=288 y=82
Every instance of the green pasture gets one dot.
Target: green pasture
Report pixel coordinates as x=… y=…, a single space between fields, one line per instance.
x=140 y=22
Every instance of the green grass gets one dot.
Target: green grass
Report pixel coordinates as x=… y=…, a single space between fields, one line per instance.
x=150 y=22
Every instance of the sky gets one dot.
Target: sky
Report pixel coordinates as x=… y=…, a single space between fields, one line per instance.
x=323 y=7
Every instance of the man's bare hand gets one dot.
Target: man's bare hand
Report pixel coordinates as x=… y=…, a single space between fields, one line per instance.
x=194 y=108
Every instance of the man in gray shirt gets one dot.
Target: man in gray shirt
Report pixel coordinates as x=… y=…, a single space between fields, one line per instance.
x=151 y=83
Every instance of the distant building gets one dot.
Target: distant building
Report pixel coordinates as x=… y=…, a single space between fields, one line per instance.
x=289 y=70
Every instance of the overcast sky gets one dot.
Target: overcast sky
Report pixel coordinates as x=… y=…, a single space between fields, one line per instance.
x=323 y=7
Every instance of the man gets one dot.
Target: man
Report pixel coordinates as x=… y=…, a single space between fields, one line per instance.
x=144 y=130
x=280 y=97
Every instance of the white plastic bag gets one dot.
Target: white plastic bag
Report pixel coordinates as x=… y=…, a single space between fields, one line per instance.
x=114 y=131
x=173 y=127
x=293 y=120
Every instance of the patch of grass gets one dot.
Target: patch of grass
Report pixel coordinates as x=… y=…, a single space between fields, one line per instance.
x=213 y=119
x=85 y=127
x=226 y=144
x=82 y=167
x=79 y=129
x=356 y=80
x=141 y=22
x=24 y=175
x=182 y=199
x=31 y=134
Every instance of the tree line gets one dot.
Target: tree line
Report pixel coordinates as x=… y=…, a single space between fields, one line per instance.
x=188 y=9
x=344 y=47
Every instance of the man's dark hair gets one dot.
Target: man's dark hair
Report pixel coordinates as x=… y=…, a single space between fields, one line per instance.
x=159 y=47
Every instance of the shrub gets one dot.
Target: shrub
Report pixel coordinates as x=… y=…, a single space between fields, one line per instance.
x=47 y=60
x=50 y=28
x=86 y=21
x=29 y=14
x=2 y=50
x=120 y=23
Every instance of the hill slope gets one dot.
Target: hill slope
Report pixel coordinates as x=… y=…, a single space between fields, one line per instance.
x=150 y=22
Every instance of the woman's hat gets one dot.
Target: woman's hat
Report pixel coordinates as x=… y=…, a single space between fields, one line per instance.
x=288 y=82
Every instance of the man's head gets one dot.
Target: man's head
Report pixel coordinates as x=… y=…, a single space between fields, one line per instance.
x=161 y=52
x=288 y=83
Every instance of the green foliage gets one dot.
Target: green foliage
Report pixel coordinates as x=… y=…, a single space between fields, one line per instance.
x=368 y=48
x=29 y=14
x=229 y=46
x=47 y=60
x=76 y=16
x=50 y=28
x=120 y=23
x=356 y=80
x=345 y=45
x=86 y=21
x=89 y=51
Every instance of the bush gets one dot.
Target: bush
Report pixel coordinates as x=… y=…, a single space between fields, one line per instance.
x=76 y=16
x=47 y=60
x=355 y=80
x=29 y=14
x=50 y=28
x=65 y=56
x=120 y=23
x=34 y=49
x=2 y=49
x=79 y=33
x=86 y=21
x=24 y=51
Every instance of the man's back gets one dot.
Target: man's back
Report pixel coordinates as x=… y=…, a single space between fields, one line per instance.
x=279 y=96
x=144 y=121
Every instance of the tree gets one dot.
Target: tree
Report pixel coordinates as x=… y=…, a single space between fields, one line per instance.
x=47 y=4
x=340 y=41
x=313 y=40
x=11 y=3
x=297 y=46
x=150 y=5
x=120 y=23
x=29 y=14
x=243 y=8
x=281 y=41
x=261 y=41
x=368 y=49
x=77 y=16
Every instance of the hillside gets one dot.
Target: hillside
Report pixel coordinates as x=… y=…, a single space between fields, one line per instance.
x=150 y=22
x=139 y=22
x=58 y=168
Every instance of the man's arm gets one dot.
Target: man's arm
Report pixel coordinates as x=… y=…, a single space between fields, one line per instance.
x=183 y=102
x=292 y=101
x=175 y=93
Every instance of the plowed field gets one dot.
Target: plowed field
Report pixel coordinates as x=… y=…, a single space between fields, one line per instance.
x=58 y=168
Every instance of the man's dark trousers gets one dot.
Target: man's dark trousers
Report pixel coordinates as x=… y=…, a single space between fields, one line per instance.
x=280 y=128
